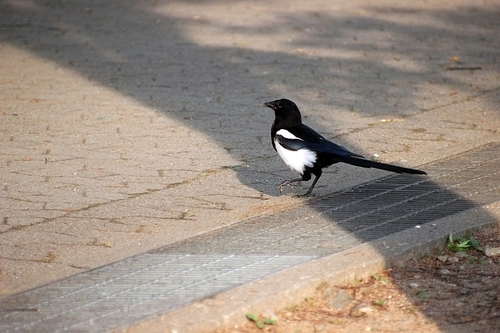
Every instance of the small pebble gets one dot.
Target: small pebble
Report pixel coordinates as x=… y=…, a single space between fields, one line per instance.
x=337 y=298
x=453 y=259
x=474 y=285
x=492 y=251
x=365 y=309
x=414 y=285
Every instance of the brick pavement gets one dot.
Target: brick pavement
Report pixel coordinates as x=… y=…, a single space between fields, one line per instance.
x=128 y=126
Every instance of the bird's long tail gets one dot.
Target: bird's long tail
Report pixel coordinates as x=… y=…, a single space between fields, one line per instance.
x=361 y=162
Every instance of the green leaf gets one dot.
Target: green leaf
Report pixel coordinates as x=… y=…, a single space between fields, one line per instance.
x=461 y=245
x=251 y=316
x=378 y=278
x=422 y=294
x=475 y=244
x=259 y=324
x=269 y=321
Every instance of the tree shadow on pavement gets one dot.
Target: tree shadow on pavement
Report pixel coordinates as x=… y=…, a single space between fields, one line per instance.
x=370 y=63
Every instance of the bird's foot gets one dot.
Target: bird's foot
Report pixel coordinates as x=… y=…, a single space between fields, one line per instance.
x=305 y=195
x=285 y=183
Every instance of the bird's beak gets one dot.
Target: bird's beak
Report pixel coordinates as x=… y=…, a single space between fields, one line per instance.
x=269 y=105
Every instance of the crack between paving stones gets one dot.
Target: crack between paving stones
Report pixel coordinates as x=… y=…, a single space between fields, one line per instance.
x=203 y=174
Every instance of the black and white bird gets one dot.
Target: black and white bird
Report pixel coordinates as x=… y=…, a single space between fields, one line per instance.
x=307 y=152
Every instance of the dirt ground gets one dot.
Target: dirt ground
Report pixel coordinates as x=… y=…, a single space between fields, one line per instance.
x=446 y=291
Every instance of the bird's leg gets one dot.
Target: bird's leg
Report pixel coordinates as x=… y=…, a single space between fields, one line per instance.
x=312 y=186
x=288 y=183
x=305 y=177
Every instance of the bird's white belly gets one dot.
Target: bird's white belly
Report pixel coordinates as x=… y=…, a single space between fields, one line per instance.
x=296 y=160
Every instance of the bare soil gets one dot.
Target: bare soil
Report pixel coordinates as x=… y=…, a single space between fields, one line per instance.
x=445 y=291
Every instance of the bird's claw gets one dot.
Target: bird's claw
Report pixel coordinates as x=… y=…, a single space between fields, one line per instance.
x=285 y=183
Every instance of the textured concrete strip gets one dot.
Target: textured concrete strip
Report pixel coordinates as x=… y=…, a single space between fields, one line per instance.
x=103 y=296
x=166 y=279
x=228 y=309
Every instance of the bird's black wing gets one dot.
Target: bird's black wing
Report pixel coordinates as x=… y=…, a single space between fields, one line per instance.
x=308 y=138
x=340 y=154
x=290 y=144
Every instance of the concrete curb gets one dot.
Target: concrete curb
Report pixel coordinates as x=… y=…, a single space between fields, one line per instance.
x=292 y=285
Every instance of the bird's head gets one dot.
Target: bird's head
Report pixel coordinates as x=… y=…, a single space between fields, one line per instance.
x=286 y=111
x=283 y=104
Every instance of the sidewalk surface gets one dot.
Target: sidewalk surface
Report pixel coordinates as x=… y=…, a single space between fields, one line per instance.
x=127 y=126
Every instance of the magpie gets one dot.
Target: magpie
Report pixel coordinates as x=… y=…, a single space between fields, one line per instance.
x=307 y=152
